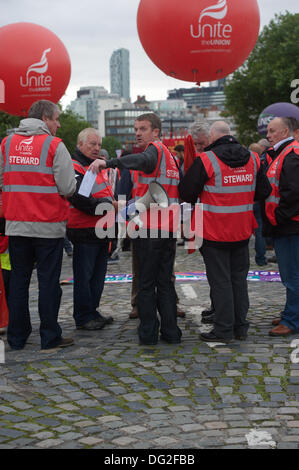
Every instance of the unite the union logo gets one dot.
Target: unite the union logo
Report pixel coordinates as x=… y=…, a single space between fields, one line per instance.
x=213 y=32
x=35 y=79
x=25 y=145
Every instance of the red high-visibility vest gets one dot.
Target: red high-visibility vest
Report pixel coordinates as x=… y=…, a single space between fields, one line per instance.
x=29 y=191
x=273 y=174
x=227 y=199
x=167 y=174
x=134 y=179
x=101 y=189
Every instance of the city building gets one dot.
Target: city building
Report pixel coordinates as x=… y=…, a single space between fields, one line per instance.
x=91 y=104
x=203 y=97
x=119 y=123
x=120 y=73
x=86 y=103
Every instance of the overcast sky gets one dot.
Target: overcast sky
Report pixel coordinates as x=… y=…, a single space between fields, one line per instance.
x=92 y=29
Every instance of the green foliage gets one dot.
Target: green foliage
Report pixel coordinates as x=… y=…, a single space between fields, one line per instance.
x=71 y=125
x=111 y=144
x=8 y=121
x=265 y=78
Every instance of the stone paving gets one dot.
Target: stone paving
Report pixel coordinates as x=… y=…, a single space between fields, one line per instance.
x=107 y=392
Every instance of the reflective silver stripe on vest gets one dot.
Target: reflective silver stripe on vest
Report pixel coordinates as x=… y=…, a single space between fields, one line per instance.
x=274 y=199
x=41 y=168
x=227 y=209
x=272 y=179
x=96 y=187
x=219 y=188
x=20 y=188
x=162 y=179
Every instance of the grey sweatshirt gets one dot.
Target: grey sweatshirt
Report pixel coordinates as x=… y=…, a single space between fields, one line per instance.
x=64 y=176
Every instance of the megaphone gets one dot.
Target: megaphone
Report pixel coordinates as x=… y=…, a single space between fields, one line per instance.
x=156 y=194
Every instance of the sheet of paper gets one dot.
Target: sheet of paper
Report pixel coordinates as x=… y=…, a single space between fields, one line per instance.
x=87 y=183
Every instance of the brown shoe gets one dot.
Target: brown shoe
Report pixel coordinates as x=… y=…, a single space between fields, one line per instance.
x=280 y=330
x=180 y=312
x=134 y=313
x=276 y=321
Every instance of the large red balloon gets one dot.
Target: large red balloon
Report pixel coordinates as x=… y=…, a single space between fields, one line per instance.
x=34 y=65
x=198 y=40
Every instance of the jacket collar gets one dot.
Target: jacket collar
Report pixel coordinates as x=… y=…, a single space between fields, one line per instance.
x=81 y=158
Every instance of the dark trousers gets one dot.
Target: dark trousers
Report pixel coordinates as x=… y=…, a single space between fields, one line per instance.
x=260 y=241
x=47 y=253
x=155 y=258
x=89 y=268
x=227 y=270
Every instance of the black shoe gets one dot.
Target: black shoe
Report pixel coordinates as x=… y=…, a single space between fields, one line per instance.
x=208 y=319
x=170 y=341
x=65 y=342
x=241 y=337
x=101 y=317
x=273 y=259
x=148 y=343
x=207 y=312
x=213 y=338
x=96 y=324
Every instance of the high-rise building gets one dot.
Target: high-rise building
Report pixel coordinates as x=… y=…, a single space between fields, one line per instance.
x=203 y=97
x=86 y=103
x=92 y=102
x=120 y=73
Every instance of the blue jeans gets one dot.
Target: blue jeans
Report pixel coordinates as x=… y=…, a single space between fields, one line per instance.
x=89 y=267
x=47 y=253
x=287 y=253
x=260 y=242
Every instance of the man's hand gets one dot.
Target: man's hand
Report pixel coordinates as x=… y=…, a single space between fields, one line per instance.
x=97 y=165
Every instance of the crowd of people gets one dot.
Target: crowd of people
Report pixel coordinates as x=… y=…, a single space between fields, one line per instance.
x=242 y=192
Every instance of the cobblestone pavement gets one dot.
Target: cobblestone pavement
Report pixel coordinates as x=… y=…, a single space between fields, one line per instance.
x=107 y=392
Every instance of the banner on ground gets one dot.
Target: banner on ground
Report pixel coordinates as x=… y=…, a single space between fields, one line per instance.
x=262 y=276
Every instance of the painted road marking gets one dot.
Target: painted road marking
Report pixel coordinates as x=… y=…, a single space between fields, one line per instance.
x=257 y=437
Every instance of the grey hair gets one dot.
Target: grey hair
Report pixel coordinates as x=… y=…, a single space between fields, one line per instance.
x=82 y=136
x=199 y=127
x=264 y=143
x=43 y=108
x=220 y=128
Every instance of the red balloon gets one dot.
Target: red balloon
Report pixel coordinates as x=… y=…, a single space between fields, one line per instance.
x=34 y=65
x=198 y=40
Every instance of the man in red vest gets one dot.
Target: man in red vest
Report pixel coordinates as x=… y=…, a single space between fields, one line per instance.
x=90 y=253
x=37 y=175
x=155 y=256
x=227 y=178
x=282 y=212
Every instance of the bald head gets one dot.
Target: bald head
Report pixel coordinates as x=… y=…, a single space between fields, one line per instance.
x=278 y=130
x=219 y=129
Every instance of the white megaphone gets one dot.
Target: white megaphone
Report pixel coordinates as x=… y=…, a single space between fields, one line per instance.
x=155 y=194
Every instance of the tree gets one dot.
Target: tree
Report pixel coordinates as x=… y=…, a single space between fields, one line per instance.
x=7 y=121
x=71 y=125
x=266 y=76
x=111 y=144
